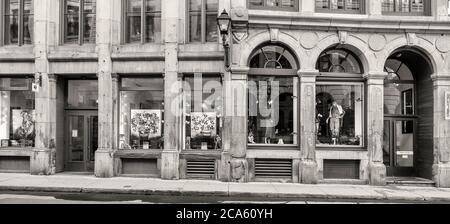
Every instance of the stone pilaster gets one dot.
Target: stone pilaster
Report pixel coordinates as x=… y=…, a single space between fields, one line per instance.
x=104 y=156
x=236 y=112
x=441 y=166
x=172 y=107
x=43 y=158
x=375 y=126
x=308 y=170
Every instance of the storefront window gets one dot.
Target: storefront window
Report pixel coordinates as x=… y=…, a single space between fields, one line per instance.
x=17 y=113
x=339 y=114
x=339 y=61
x=272 y=118
x=203 y=112
x=142 y=113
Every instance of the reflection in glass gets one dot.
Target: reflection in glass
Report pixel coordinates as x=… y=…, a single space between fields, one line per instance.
x=142 y=113
x=339 y=61
x=11 y=22
x=272 y=110
x=149 y=16
x=404 y=145
x=198 y=25
x=339 y=5
x=339 y=114
x=77 y=138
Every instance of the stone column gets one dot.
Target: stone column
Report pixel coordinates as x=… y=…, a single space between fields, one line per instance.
x=172 y=94
x=42 y=160
x=236 y=111
x=441 y=166
x=375 y=127
x=308 y=164
x=104 y=156
x=373 y=7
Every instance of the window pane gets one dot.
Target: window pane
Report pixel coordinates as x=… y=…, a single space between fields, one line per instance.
x=337 y=4
x=90 y=6
x=153 y=29
x=339 y=61
x=134 y=6
x=17 y=117
x=82 y=94
x=28 y=7
x=256 y=2
x=142 y=113
x=322 y=4
x=72 y=20
x=133 y=33
x=388 y=6
x=271 y=3
x=28 y=29
x=339 y=114
x=11 y=22
x=402 y=5
x=399 y=99
x=272 y=112
x=195 y=27
x=417 y=6
x=211 y=28
x=353 y=5
x=287 y=3
x=203 y=112
x=195 y=5
x=89 y=28
x=153 y=5
x=212 y=6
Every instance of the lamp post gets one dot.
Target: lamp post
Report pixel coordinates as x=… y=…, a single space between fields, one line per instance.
x=224 y=24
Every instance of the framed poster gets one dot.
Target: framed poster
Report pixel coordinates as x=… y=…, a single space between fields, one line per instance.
x=447 y=105
x=203 y=124
x=146 y=124
x=4 y=143
x=23 y=124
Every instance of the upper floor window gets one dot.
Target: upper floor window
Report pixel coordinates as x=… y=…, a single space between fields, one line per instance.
x=340 y=6
x=202 y=23
x=143 y=21
x=79 y=21
x=406 y=7
x=18 y=22
x=288 y=5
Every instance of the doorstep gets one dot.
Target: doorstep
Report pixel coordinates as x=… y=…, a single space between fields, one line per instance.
x=410 y=181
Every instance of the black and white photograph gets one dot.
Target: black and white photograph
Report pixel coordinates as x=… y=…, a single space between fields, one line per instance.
x=224 y=103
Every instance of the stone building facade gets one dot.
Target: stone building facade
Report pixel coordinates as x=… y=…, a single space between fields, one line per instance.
x=385 y=64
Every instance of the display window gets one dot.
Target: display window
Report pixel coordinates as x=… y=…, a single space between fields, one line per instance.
x=17 y=113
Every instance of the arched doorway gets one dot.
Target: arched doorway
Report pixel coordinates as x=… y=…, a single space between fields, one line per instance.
x=408 y=108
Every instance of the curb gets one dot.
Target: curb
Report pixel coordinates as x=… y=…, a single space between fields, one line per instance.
x=148 y=192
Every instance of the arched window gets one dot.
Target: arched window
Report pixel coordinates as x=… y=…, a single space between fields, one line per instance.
x=339 y=61
x=273 y=57
x=273 y=91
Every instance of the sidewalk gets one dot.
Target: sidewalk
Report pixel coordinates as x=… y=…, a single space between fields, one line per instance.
x=146 y=186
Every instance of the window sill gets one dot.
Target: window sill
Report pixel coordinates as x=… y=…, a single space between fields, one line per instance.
x=340 y=148
x=16 y=151
x=138 y=154
x=273 y=147
x=200 y=154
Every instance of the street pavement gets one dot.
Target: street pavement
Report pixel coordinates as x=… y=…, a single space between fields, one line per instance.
x=224 y=192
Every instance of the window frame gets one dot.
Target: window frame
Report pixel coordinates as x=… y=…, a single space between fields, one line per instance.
x=182 y=77
x=143 y=15
x=426 y=10
x=328 y=81
x=362 y=8
x=121 y=89
x=81 y=16
x=203 y=17
x=21 y=24
x=275 y=8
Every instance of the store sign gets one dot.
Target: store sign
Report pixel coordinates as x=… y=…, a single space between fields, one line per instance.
x=447 y=105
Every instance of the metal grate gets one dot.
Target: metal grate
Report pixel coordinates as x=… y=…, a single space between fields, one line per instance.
x=269 y=168
x=201 y=168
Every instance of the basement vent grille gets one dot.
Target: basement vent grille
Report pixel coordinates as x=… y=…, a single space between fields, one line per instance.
x=270 y=168
x=201 y=168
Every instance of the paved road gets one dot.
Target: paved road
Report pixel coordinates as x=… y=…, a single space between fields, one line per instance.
x=71 y=198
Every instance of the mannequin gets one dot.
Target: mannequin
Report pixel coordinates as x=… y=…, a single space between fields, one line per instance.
x=334 y=120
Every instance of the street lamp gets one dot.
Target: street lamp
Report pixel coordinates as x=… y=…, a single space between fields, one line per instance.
x=224 y=24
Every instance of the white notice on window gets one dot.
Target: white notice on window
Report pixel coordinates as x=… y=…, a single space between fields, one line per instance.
x=74 y=133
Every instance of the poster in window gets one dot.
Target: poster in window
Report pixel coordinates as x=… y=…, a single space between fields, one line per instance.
x=146 y=124
x=203 y=124
x=23 y=125
x=447 y=105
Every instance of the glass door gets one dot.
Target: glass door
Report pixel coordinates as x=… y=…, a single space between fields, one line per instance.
x=399 y=146
x=82 y=140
